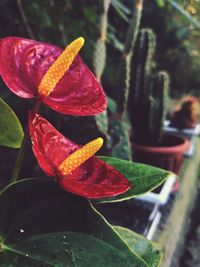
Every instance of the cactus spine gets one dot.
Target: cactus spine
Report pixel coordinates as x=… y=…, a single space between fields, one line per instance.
x=124 y=67
x=148 y=92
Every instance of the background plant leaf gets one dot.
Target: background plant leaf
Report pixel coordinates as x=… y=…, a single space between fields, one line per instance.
x=143 y=178
x=149 y=251
x=11 y=133
x=121 y=9
x=186 y=14
x=32 y=210
x=160 y=3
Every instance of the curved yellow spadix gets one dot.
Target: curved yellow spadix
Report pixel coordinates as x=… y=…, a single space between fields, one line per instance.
x=59 y=67
x=80 y=156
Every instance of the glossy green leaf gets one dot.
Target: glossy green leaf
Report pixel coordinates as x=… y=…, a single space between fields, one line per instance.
x=143 y=178
x=33 y=208
x=11 y=133
x=64 y=249
x=148 y=250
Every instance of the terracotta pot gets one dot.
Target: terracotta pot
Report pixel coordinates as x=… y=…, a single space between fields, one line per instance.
x=168 y=155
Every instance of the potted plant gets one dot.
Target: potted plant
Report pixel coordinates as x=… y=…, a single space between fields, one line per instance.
x=186 y=114
x=184 y=121
x=147 y=104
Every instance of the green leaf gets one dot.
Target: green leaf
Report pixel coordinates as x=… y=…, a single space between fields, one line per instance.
x=121 y=9
x=149 y=251
x=11 y=133
x=143 y=178
x=64 y=249
x=113 y=41
x=32 y=210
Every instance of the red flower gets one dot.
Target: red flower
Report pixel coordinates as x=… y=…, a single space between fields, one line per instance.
x=76 y=170
x=59 y=79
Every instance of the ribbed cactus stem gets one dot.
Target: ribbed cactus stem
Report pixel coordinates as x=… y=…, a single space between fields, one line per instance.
x=124 y=67
x=158 y=107
x=139 y=93
x=104 y=19
x=133 y=29
x=99 y=57
x=142 y=62
x=99 y=60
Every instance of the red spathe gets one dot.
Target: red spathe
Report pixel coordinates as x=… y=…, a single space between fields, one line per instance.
x=23 y=64
x=93 y=179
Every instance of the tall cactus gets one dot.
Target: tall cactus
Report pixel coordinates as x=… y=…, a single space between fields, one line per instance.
x=148 y=92
x=125 y=63
x=119 y=128
x=100 y=122
x=139 y=100
x=99 y=58
x=141 y=68
x=158 y=105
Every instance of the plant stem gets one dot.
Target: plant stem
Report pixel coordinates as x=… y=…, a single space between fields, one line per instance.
x=19 y=160
x=21 y=153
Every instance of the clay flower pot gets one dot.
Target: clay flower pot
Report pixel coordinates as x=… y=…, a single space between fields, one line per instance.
x=167 y=155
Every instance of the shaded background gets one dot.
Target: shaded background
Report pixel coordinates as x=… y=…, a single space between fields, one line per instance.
x=178 y=39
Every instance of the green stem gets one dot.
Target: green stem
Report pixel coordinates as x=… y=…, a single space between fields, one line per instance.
x=21 y=153
x=19 y=160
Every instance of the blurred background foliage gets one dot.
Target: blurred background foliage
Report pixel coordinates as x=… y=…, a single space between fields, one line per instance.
x=175 y=22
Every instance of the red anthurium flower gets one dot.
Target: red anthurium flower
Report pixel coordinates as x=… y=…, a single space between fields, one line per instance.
x=57 y=77
x=75 y=167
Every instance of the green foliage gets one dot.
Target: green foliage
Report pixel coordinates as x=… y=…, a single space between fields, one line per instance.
x=63 y=249
x=180 y=9
x=102 y=122
x=121 y=9
x=119 y=131
x=41 y=225
x=140 y=244
x=143 y=178
x=177 y=35
x=11 y=132
x=160 y=3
